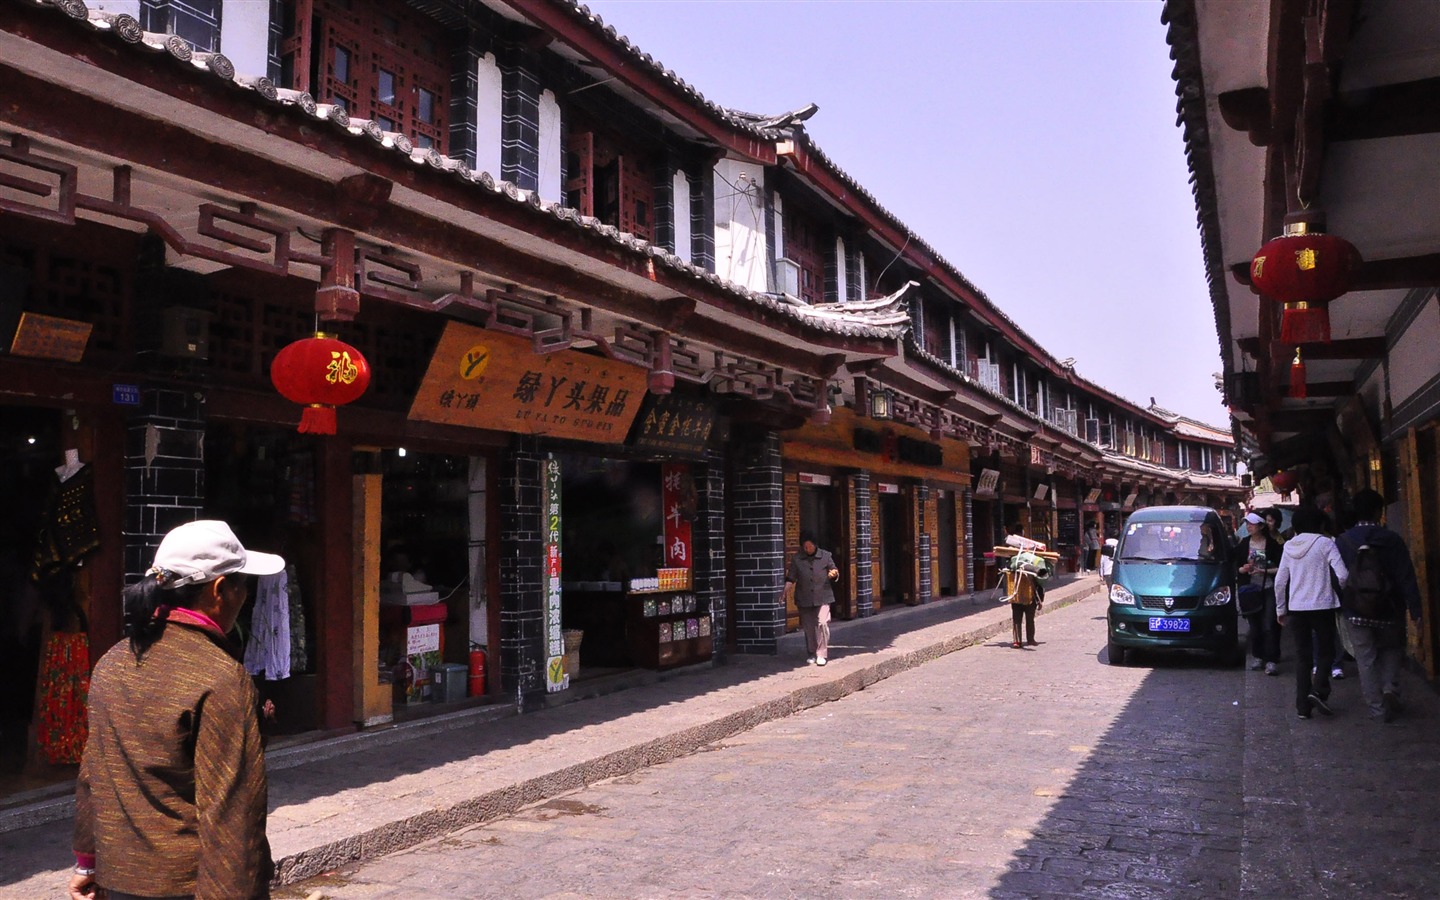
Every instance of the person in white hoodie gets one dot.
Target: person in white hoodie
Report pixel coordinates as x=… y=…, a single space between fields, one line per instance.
x=1305 y=604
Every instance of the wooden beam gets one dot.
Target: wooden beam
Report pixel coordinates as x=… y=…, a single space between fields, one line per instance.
x=1386 y=111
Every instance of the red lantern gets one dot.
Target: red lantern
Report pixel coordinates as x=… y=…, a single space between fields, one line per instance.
x=1304 y=270
x=1285 y=482
x=1298 y=390
x=321 y=373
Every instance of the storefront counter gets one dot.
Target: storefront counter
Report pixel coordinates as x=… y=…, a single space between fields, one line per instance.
x=667 y=628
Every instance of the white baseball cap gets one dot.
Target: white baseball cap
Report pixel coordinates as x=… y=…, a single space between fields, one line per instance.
x=1254 y=519
x=199 y=552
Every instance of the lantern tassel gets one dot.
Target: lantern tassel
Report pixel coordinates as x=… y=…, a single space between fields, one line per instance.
x=1305 y=323
x=317 y=419
x=1297 y=378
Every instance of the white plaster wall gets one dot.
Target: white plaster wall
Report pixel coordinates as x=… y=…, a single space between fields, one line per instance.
x=840 y=262
x=777 y=223
x=680 y=187
x=1413 y=360
x=740 y=224
x=487 y=116
x=245 y=35
x=552 y=152
x=864 y=285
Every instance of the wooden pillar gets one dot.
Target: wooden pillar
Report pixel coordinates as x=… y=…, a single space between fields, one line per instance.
x=335 y=640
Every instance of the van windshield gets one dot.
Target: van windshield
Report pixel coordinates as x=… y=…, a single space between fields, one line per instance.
x=1170 y=542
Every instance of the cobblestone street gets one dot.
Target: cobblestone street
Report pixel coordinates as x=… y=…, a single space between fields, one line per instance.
x=988 y=772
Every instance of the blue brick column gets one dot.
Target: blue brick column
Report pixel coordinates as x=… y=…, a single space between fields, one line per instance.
x=925 y=590
x=702 y=218
x=709 y=546
x=832 y=271
x=519 y=117
x=772 y=259
x=522 y=599
x=663 y=231
x=759 y=548
x=854 y=290
x=164 y=471
x=864 y=547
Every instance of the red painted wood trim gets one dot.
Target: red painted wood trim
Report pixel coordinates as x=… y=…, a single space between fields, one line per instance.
x=568 y=28
x=336 y=604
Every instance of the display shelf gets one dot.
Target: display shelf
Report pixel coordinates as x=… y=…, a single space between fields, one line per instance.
x=668 y=628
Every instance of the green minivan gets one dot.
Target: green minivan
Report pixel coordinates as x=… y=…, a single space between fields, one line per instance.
x=1172 y=585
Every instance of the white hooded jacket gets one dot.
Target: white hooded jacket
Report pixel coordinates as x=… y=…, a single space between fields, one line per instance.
x=1303 y=581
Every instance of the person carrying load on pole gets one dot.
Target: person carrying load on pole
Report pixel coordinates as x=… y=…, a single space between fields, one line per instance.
x=1022 y=580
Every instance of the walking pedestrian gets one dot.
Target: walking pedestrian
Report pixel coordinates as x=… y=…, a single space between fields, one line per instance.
x=810 y=576
x=170 y=799
x=1377 y=634
x=1258 y=555
x=1091 y=544
x=1305 y=603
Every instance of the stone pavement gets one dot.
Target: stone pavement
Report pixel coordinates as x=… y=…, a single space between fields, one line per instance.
x=359 y=797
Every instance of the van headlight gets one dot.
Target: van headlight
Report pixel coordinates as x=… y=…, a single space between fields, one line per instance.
x=1120 y=594
x=1219 y=597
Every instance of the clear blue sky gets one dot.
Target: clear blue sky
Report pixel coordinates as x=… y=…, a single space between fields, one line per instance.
x=1033 y=144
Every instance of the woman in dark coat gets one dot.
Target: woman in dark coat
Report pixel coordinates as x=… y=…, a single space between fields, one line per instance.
x=1258 y=559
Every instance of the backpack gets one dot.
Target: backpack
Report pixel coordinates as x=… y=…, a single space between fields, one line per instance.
x=1369 y=593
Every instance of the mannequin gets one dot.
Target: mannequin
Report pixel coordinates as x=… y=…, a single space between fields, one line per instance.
x=71 y=465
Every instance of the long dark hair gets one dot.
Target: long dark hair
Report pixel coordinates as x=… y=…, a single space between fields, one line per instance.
x=147 y=609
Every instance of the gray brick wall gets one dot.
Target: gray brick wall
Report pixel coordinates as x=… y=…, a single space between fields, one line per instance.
x=519 y=117
x=709 y=545
x=864 y=547
x=522 y=601
x=925 y=591
x=702 y=218
x=968 y=511
x=759 y=543
x=664 y=186
x=168 y=489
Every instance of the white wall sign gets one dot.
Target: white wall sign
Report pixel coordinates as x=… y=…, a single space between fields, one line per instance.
x=814 y=478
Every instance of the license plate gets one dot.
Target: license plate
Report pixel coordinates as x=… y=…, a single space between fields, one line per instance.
x=1166 y=623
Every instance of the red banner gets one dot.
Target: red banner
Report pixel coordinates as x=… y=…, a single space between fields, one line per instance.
x=677 y=493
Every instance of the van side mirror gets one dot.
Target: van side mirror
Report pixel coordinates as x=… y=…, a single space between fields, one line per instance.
x=1107 y=550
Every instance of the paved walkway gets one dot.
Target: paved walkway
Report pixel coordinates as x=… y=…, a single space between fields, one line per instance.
x=362 y=796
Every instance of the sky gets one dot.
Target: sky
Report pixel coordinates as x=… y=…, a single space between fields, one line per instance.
x=1032 y=143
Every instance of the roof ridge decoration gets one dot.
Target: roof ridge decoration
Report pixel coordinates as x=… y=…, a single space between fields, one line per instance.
x=129 y=31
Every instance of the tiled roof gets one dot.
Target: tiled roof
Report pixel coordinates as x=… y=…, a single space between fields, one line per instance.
x=127 y=29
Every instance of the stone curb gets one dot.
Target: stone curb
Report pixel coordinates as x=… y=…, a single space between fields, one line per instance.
x=404 y=833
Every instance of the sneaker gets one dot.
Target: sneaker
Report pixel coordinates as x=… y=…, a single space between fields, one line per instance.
x=1032 y=643
x=1337 y=674
x=1257 y=664
x=1015 y=645
x=1320 y=703
x=1272 y=669
x=809 y=660
x=1302 y=715
x=820 y=660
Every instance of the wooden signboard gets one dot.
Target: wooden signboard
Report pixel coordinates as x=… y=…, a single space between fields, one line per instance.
x=48 y=337
x=486 y=379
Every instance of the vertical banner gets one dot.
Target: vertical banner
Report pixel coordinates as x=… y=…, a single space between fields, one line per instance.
x=674 y=487
x=555 y=677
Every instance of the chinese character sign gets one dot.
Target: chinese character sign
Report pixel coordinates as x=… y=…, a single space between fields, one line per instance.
x=677 y=498
x=555 y=677
x=485 y=379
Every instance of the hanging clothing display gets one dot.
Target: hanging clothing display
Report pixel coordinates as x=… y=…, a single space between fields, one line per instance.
x=64 y=687
x=299 y=657
x=268 y=650
x=68 y=527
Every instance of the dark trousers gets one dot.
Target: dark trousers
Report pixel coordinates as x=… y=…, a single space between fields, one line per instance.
x=1311 y=628
x=1265 y=632
x=1022 y=612
x=1092 y=560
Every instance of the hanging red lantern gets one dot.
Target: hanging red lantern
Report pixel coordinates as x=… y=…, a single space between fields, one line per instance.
x=1285 y=482
x=1297 y=377
x=1304 y=269
x=320 y=373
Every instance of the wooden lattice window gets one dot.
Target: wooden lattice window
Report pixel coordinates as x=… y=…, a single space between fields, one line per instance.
x=610 y=181
x=97 y=287
x=805 y=246
x=380 y=60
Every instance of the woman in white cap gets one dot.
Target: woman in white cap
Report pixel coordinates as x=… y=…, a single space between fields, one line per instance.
x=170 y=800
x=1258 y=555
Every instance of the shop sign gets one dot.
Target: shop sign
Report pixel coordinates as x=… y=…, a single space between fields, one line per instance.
x=1093 y=496
x=1037 y=456
x=676 y=424
x=125 y=394
x=555 y=677
x=989 y=481
x=884 y=487
x=1041 y=491
x=815 y=479
x=48 y=337
x=486 y=379
x=422 y=639
x=1129 y=501
x=677 y=493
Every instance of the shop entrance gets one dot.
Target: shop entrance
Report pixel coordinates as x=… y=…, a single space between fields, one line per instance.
x=946 y=548
x=895 y=543
x=29 y=453
x=820 y=514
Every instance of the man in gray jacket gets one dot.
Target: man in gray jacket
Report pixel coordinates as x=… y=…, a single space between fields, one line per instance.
x=810 y=575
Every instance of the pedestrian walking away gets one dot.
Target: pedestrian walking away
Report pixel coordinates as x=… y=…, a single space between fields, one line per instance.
x=170 y=798
x=1305 y=603
x=809 y=579
x=1258 y=559
x=1374 y=606
x=1091 y=545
